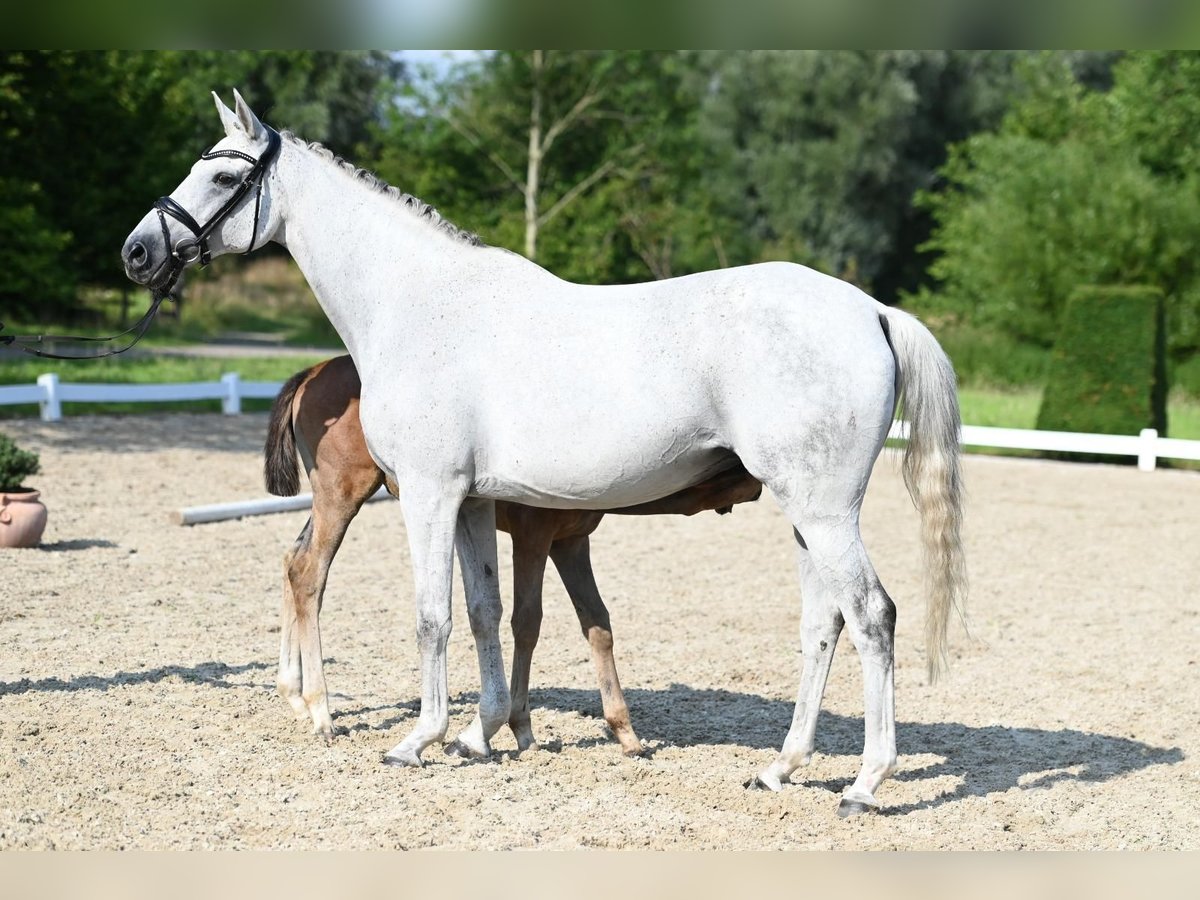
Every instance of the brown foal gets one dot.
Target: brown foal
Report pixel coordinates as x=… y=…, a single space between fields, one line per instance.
x=316 y=413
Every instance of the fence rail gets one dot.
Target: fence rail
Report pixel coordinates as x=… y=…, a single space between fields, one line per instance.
x=50 y=393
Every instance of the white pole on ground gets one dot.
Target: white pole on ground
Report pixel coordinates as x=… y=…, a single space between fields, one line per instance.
x=220 y=512
x=50 y=405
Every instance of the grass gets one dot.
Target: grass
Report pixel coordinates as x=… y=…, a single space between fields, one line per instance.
x=1000 y=408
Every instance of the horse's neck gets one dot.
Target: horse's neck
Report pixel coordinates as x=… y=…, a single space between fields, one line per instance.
x=371 y=264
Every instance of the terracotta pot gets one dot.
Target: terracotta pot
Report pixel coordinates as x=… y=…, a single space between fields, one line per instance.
x=22 y=519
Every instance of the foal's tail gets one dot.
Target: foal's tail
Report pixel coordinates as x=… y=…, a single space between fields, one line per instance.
x=926 y=386
x=280 y=468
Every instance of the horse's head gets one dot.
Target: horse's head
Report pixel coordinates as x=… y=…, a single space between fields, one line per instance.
x=223 y=206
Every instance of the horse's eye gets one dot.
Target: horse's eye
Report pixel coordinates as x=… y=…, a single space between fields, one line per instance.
x=224 y=179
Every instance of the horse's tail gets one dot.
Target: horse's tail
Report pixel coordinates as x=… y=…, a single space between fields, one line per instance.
x=926 y=387
x=280 y=467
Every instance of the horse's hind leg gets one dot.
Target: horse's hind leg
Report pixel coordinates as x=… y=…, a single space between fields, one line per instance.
x=820 y=626
x=531 y=547
x=839 y=573
x=572 y=558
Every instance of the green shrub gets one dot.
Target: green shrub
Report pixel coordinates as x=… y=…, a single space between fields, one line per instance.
x=15 y=465
x=1107 y=372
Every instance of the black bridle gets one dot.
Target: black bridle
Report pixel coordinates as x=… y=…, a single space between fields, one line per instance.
x=193 y=249
x=185 y=252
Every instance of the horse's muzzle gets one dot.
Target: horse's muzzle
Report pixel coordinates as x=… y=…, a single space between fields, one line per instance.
x=142 y=258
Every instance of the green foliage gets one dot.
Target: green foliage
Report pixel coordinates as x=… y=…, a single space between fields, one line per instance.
x=15 y=465
x=1107 y=371
x=1185 y=376
x=1078 y=187
x=814 y=156
x=31 y=254
x=89 y=139
x=988 y=357
x=617 y=189
x=1031 y=220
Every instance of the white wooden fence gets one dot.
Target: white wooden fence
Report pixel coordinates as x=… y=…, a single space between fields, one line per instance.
x=50 y=393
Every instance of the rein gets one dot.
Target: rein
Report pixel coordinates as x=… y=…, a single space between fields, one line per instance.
x=186 y=251
x=29 y=342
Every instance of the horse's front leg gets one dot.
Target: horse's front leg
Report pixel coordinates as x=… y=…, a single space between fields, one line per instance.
x=430 y=515
x=476 y=541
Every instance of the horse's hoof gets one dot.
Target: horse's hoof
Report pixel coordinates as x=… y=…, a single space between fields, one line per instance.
x=759 y=783
x=848 y=808
x=462 y=751
x=404 y=761
x=327 y=734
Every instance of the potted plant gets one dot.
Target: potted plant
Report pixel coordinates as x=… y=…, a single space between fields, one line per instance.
x=22 y=514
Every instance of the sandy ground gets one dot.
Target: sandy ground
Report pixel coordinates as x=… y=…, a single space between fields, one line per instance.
x=137 y=704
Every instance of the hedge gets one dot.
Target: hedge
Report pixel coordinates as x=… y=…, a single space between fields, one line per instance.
x=1107 y=373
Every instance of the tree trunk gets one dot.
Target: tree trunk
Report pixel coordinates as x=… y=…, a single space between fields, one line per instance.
x=534 y=164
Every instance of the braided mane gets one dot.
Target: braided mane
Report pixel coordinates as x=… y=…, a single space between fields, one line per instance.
x=415 y=205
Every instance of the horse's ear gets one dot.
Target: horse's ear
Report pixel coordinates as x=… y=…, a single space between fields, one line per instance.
x=229 y=120
x=247 y=119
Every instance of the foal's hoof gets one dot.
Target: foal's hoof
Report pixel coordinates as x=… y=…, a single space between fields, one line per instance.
x=462 y=751
x=848 y=808
x=401 y=760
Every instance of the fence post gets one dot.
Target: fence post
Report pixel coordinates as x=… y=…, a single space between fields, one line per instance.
x=231 y=403
x=1148 y=451
x=50 y=405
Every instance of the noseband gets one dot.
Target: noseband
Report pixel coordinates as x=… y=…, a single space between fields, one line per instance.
x=193 y=249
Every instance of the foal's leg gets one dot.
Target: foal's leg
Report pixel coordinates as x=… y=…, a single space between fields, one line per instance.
x=572 y=558
x=531 y=547
x=333 y=510
x=430 y=515
x=476 y=542
x=290 y=681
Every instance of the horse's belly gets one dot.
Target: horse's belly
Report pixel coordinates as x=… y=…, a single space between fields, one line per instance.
x=566 y=484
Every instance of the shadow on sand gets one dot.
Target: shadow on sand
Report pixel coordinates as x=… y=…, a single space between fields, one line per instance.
x=982 y=759
x=206 y=432
x=77 y=544
x=216 y=674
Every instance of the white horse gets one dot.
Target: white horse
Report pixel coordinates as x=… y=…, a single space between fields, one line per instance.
x=485 y=377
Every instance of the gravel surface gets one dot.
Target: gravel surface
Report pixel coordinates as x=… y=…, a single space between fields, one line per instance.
x=137 y=670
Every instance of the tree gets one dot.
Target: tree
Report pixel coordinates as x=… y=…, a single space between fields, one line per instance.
x=1079 y=187
x=31 y=249
x=518 y=108
x=815 y=155
x=76 y=195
